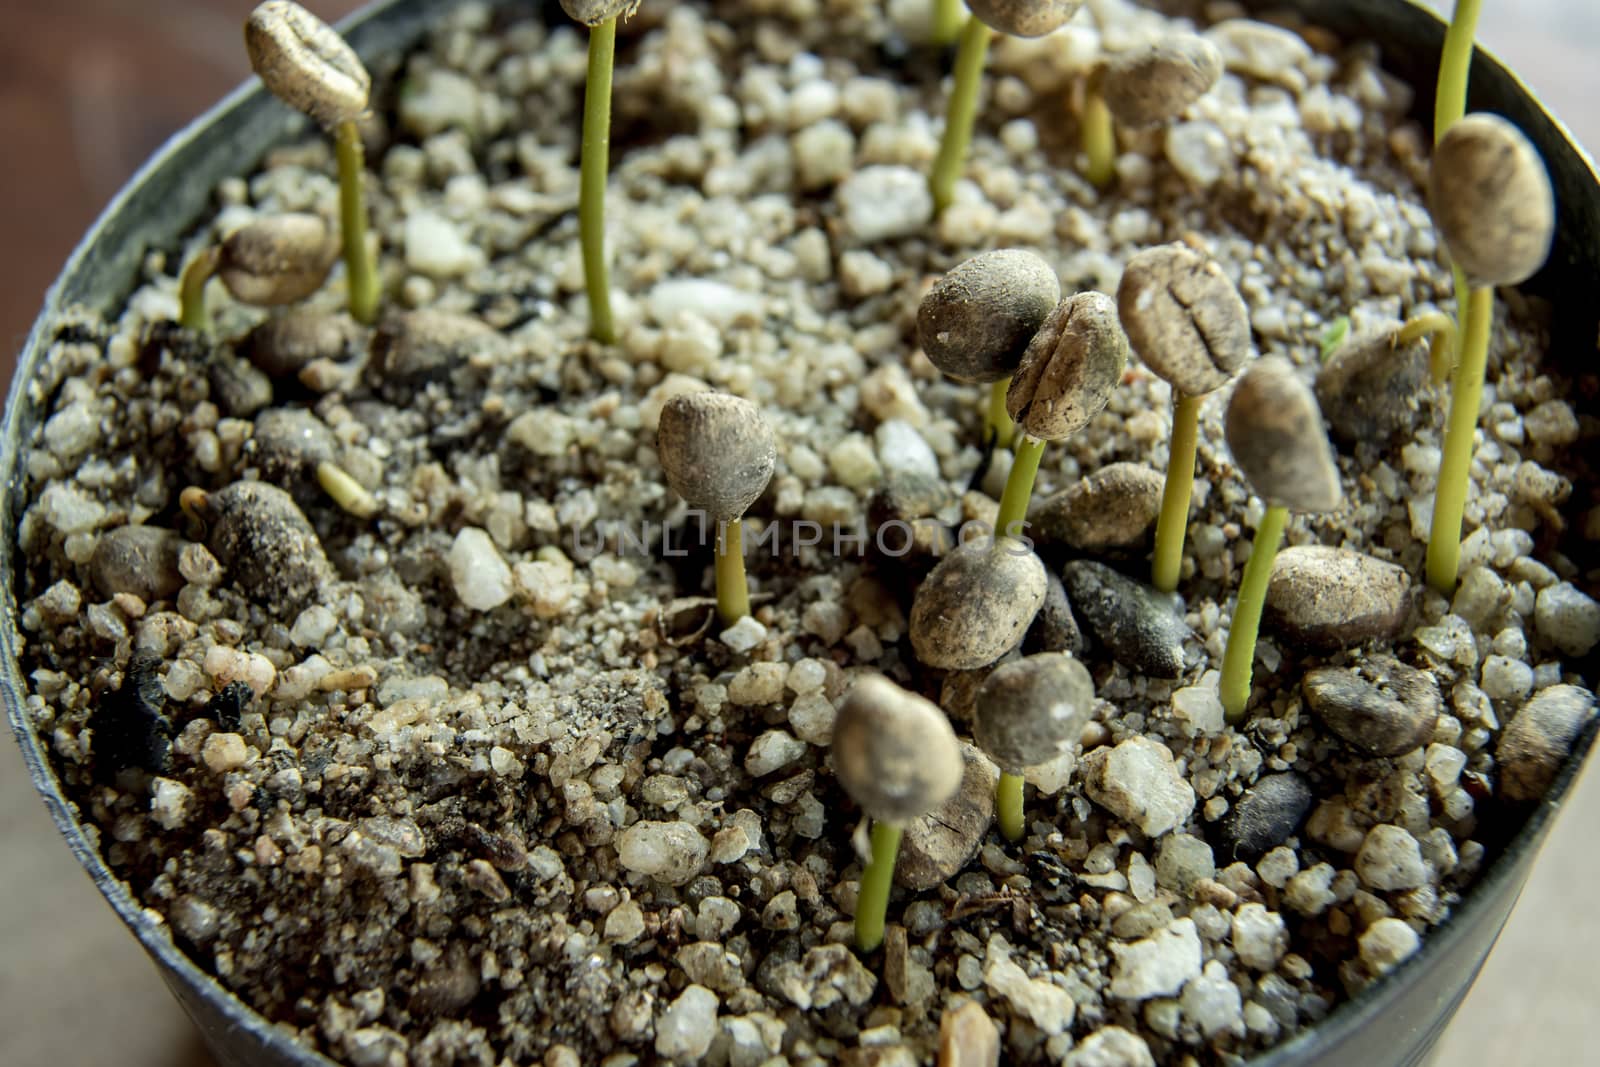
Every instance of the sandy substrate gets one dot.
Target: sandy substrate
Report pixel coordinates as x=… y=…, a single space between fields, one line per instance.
x=484 y=798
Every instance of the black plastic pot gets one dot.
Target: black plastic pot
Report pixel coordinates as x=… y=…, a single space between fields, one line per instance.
x=1395 y=1021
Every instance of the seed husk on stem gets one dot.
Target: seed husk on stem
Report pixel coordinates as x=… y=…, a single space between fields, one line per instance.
x=305 y=63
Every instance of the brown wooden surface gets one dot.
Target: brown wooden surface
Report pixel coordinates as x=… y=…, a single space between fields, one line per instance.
x=88 y=88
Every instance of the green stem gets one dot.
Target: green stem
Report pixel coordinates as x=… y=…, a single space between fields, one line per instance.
x=1238 y=658
x=946 y=22
x=596 y=161
x=1455 y=464
x=1008 y=806
x=872 y=901
x=997 y=424
x=1019 y=487
x=1440 y=329
x=192 y=289
x=361 y=272
x=733 y=592
x=1173 y=522
x=1455 y=64
x=1098 y=135
x=961 y=113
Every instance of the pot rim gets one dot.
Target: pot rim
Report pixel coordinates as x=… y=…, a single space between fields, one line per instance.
x=385 y=25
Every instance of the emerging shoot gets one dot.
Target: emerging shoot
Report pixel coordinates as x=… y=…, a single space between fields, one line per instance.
x=595 y=155
x=1019 y=18
x=718 y=454
x=1065 y=379
x=1028 y=712
x=1142 y=87
x=1274 y=430
x=895 y=753
x=1491 y=198
x=305 y=63
x=1187 y=322
x=271 y=261
x=976 y=322
x=977 y=603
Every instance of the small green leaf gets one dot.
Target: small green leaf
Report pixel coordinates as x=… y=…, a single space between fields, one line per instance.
x=1334 y=336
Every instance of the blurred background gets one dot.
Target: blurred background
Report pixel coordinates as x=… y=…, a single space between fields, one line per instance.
x=89 y=89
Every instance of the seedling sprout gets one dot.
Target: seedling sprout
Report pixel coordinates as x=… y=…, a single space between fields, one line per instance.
x=895 y=753
x=1188 y=324
x=271 y=261
x=1028 y=712
x=718 y=454
x=1141 y=87
x=1274 y=430
x=305 y=63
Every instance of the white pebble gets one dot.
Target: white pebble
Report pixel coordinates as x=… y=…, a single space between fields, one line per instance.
x=435 y=246
x=688 y=1026
x=1387 y=943
x=1567 y=619
x=882 y=202
x=481 y=578
x=744 y=635
x=1390 y=859
x=772 y=751
x=902 y=450
x=1159 y=965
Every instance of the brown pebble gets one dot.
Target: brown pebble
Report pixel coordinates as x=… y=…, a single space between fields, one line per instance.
x=1113 y=508
x=976 y=604
x=1069 y=369
x=1538 y=739
x=141 y=560
x=414 y=345
x=1031 y=710
x=1183 y=317
x=1024 y=18
x=1371 y=389
x=976 y=321
x=1154 y=84
x=1490 y=196
x=937 y=845
x=968 y=1037
x=277 y=259
x=1326 y=598
x=306 y=63
x=717 y=452
x=1379 y=705
x=285 y=344
x=1274 y=430
x=894 y=751
x=594 y=12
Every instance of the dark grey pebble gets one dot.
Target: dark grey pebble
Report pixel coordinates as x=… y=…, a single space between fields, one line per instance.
x=141 y=560
x=289 y=442
x=906 y=515
x=272 y=554
x=1141 y=628
x=1326 y=598
x=1538 y=739
x=239 y=389
x=1380 y=706
x=226 y=709
x=935 y=846
x=130 y=727
x=1265 y=815
x=1054 y=629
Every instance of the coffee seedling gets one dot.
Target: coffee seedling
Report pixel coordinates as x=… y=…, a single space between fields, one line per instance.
x=1028 y=712
x=305 y=63
x=1371 y=384
x=269 y=262
x=894 y=753
x=1065 y=379
x=595 y=155
x=1491 y=198
x=946 y=22
x=1141 y=87
x=975 y=323
x=1188 y=324
x=977 y=603
x=1274 y=430
x=1019 y=18
x=718 y=454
